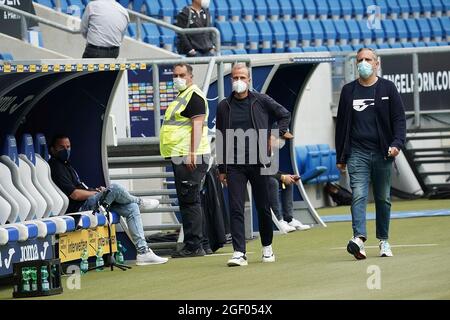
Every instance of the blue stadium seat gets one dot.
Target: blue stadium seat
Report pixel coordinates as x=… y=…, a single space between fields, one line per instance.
x=365 y=31
x=426 y=7
x=436 y=29
x=47 y=3
x=317 y=31
x=383 y=46
x=124 y=3
x=285 y=8
x=358 y=8
x=76 y=6
x=295 y=49
x=261 y=9
x=330 y=34
x=431 y=44
x=353 y=29
x=325 y=161
x=415 y=7
x=227 y=52
x=152 y=8
x=235 y=8
x=346 y=7
x=308 y=163
x=420 y=44
x=167 y=38
x=273 y=8
x=248 y=9
x=334 y=8
x=379 y=34
x=222 y=9
x=265 y=36
x=132 y=30
x=334 y=173
x=298 y=9
x=334 y=48
x=402 y=32
x=396 y=45
x=356 y=47
x=404 y=7
x=309 y=49
x=424 y=28
x=383 y=6
x=291 y=31
x=407 y=45
x=239 y=51
x=322 y=8
x=413 y=29
x=346 y=48
x=151 y=34
x=279 y=35
x=388 y=26
x=212 y=11
x=320 y=48
x=252 y=36
x=342 y=32
x=137 y=4
x=226 y=32
x=437 y=6
x=309 y=6
x=239 y=35
x=305 y=32
x=445 y=22
x=180 y=4
x=167 y=10
x=393 y=8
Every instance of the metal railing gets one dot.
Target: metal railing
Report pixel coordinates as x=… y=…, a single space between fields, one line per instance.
x=139 y=16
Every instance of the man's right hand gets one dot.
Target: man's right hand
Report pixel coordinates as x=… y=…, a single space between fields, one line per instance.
x=342 y=167
x=223 y=178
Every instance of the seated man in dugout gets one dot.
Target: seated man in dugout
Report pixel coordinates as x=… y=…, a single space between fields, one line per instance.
x=83 y=198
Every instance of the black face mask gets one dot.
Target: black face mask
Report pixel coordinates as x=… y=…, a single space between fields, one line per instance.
x=63 y=155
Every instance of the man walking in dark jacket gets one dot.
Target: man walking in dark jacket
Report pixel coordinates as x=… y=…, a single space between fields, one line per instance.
x=243 y=126
x=370 y=132
x=196 y=44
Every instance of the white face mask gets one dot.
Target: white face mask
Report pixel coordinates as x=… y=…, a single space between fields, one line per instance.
x=239 y=86
x=205 y=3
x=179 y=84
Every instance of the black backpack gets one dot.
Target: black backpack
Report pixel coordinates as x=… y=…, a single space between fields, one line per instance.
x=340 y=195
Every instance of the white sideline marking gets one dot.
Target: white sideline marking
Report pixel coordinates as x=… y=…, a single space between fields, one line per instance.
x=396 y=246
x=224 y=254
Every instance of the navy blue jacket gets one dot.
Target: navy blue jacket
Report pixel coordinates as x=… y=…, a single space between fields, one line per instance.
x=390 y=117
x=264 y=112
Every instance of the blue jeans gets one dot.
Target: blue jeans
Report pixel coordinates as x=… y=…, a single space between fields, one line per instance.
x=125 y=205
x=282 y=210
x=363 y=167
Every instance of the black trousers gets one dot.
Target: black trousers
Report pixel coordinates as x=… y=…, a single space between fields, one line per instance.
x=237 y=178
x=188 y=184
x=100 y=52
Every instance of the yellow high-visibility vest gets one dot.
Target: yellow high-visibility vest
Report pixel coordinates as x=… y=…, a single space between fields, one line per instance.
x=175 y=136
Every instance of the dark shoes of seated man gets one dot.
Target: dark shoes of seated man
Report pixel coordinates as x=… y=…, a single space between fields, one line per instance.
x=187 y=253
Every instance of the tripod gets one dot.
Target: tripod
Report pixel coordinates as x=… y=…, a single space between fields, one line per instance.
x=103 y=208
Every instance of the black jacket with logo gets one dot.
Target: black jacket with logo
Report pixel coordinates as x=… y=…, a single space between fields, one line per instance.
x=264 y=112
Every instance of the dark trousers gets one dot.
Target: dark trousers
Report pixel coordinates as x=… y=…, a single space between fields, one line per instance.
x=188 y=184
x=100 y=52
x=237 y=178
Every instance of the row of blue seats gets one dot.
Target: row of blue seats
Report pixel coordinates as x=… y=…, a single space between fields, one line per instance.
x=291 y=8
x=281 y=32
x=30 y=204
x=346 y=48
x=316 y=163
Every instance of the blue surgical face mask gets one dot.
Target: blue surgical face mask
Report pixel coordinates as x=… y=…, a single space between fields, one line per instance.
x=63 y=155
x=365 y=69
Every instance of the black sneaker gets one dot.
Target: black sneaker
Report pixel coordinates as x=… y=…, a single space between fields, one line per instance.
x=186 y=253
x=208 y=251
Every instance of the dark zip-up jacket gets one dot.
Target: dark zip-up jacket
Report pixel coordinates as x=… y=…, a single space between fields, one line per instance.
x=390 y=117
x=264 y=111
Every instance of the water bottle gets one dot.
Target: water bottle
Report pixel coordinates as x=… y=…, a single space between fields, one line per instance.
x=84 y=265
x=25 y=280
x=44 y=276
x=119 y=254
x=99 y=261
x=33 y=272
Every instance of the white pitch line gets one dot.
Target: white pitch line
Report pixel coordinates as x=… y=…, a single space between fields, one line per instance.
x=396 y=246
x=223 y=254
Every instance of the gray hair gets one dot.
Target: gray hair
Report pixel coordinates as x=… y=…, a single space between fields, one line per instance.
x=375 y=54
x=241 y=65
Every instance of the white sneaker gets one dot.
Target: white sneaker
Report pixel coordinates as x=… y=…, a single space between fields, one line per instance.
x=385 y=249
x=148 y=203
x=149 y=258
x=267 y=254
x=286 y=227
x=298 y=225
x=237 y=260
x=356 y=247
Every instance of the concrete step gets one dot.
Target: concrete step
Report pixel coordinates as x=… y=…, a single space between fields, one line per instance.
x=153 y=192
x=161 y=210
x=127 y=176
x=137 y=162
x=163 y=227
